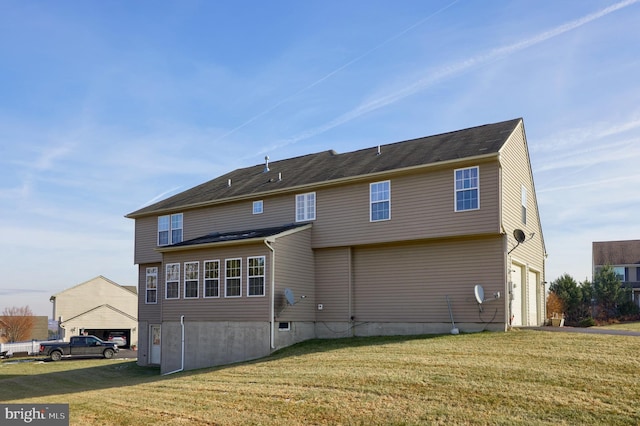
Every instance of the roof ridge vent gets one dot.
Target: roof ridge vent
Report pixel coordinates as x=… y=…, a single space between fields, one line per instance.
x=266 y=164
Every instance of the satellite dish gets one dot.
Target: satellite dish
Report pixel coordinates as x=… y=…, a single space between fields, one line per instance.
x=519 y=235
x=288 y=294
x=479 y=292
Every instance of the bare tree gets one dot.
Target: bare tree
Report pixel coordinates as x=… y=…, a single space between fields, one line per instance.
x=17 y=323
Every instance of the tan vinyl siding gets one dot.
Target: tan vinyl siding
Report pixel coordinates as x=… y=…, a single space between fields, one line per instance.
x=516 y=172
x=422 y=206
x=410 y=282
x=242 y=308
x=529 y=256
x=332 y=283
x=294 y=270
x=238 y=216
x=146 y=240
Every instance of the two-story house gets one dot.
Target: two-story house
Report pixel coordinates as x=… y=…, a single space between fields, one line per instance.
x=372 y=242
x=99 y=307
x=624 y=258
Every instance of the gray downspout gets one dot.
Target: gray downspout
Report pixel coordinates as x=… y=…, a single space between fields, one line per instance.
x=182 y=355
x=272 y=308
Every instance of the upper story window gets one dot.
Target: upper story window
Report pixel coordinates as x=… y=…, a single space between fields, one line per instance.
x=621 y=272
x=151 y=291
x=257 y=207
x=191 y=279
x=255 y=276
x=467 y=189
x=523 y=199
x=380 y=200
x=305 y=207
x=169 y=229
x=172 y=285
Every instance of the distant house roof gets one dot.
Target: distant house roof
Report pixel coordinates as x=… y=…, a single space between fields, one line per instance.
x=102 y=307
x=236 y=236
x=616 y=252
x=328 y=166
x=131 y=289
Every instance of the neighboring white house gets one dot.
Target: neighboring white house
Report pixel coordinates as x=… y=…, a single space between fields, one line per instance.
x=98 y=307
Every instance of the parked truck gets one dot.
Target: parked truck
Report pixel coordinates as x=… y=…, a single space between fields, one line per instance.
x=79 y=346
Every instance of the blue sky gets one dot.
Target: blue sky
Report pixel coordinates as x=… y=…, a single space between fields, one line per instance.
x=108 y=106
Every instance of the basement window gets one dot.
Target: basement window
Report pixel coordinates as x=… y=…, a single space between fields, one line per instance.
x=284 y=326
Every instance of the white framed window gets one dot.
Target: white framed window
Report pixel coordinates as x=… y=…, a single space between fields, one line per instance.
x=172 y=281
x=523 y=202
x=257 y=207
x=621 y=272
x=284 y=326
x=211 y=278
x=151 y=290
x=191 y=279
x=380 y=201
x=255 y=276
x=233 y=278
x=467 y=189
x=169 y=229
x=306 y=207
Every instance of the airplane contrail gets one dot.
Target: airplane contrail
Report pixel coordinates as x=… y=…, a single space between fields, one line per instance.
x=450 y=70
x=332 y=73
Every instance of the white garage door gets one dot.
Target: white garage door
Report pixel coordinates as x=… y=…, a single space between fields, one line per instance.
x=532 y=299
x=516 y=295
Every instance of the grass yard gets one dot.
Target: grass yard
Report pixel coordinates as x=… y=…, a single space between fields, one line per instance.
x=629 y=326
x=522 y=377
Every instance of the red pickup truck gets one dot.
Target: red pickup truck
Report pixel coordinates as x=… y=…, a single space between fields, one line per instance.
x=79 y=346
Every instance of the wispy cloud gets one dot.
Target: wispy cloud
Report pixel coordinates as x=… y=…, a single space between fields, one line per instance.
x=161 y=196
x=47 y=159
x=595 y=185
x=335 y=71
x=14 y=291
x=576 y=137
x=595 y=152
x=450 y=70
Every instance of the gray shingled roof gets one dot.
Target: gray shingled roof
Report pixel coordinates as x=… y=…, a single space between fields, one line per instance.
x=616 y=252
x=221 y=237
x=328 y=165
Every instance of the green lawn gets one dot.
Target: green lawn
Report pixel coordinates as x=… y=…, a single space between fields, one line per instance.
x=521 y=377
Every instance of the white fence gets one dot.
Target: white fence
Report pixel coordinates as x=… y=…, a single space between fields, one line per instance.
x=31 y=348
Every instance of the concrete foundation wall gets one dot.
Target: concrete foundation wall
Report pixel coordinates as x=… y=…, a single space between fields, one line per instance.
x=209 y=344
x=143 y=343
x=332 y=330
x=299 y=331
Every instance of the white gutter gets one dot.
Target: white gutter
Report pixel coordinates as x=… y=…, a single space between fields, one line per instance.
x=182 y=357
x=272 y=308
